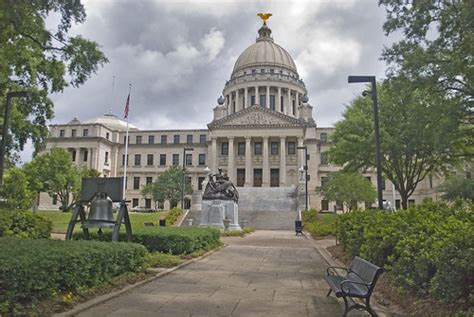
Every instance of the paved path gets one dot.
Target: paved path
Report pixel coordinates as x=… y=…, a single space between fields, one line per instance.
x=269 y=273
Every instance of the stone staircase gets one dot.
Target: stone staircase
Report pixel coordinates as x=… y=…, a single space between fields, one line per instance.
x=271 y=208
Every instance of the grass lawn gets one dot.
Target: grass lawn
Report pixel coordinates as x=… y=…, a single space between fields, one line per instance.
x=60 y=220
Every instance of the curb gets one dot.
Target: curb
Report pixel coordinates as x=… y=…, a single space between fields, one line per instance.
x=103 y=298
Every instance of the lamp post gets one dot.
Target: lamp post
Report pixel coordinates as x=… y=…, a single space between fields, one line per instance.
x=305 y=172
x=378 y=156
x=10 y=95
x=186 y=149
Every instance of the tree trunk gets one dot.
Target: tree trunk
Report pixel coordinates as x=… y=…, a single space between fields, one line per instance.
x=404 y=199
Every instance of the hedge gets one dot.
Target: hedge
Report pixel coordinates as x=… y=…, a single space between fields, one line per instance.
x=173 y=216
x=174 y=240
x=24 y=224
x=428 y=249
x=38 y=269
x=319 y=224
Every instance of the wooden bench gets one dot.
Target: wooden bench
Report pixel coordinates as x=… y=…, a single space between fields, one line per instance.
x=358 y=282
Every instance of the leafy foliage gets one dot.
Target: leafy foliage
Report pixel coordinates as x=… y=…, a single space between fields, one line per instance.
x=319 y=224
x=24 y=224
x=420 y=133
x=15 y=190
x=348 y=188
x=428 y=249
x=173 y=216
x=39 y=60
x=167 y=186
x=31 y=270
x=458 y=187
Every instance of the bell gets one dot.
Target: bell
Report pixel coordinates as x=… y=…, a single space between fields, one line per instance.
x=100 y=214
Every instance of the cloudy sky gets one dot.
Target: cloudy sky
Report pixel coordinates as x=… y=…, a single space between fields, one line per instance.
x=178 y=54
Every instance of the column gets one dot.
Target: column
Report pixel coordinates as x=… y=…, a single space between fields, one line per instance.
x=289 y=108
x=282 y=162
x=278 y=101
x=257 y=101
x=246 y=98
x=301 y=160
x=248 y=162
x=267 y=105
x=237 y=107
x=230 y=161
x=213 y=156
x=266 y=164
x=297 y=97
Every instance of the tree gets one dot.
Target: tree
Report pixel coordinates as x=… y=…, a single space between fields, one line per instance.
x=167 y=186
x=39 y=60
x=55 y=174
x=348 y=188
x=437 y=48
x=15 y=191
x=420 y=133
x=458 y=186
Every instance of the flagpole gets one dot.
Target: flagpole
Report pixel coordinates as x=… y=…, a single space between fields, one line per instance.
x=126 y=143
x=112 y=97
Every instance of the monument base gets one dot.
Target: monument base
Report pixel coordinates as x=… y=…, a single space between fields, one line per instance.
x=215 y=211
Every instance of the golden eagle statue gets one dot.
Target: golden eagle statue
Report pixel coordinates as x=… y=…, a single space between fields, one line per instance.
x=264 y=17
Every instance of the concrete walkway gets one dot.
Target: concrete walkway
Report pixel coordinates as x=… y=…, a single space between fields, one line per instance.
x=269 y=273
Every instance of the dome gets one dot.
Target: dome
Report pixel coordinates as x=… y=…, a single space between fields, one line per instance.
x=264 y=53
x=112 y=122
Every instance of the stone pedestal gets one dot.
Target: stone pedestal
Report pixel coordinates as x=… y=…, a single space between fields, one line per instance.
x=214 y=211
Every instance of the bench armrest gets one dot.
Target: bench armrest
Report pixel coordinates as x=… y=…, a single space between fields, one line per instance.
x=332 y=270
x=345 y=282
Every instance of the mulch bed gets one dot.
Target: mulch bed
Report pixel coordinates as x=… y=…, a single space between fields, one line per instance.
x=390 y=295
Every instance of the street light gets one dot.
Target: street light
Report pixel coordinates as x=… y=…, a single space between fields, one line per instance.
x=306 y=172
x=10 y=95
x=378 y=156
x=186 y=149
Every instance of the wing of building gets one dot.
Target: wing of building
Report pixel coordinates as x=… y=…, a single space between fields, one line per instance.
x=261 y=119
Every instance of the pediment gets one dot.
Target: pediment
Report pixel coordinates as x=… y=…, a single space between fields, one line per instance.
x=257 y=117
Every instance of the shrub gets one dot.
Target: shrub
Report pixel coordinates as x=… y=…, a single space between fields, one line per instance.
x=319 y=224
x=24 y=224
x=168 y=240
x=173 y=216
x=36 y=269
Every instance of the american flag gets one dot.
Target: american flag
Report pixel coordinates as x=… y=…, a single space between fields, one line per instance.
x=127 y=107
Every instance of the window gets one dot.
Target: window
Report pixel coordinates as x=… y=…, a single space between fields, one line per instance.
x=164 y=139
x=151 y=139
x=147 y=203
x=123 y=159
x=291 y=148
x=149 y=159
x=274 y=148
x=138 y=139
x=241 y=148
x=257 y=148
x=397 y=204
x=84 y=158
x=136 y=182
x=55 y=199
x=233 y=106
x=263 y=100
x=254 y=71
x=282 y=108
x=106 y=158
x=175 y=159
x=189 y=159
x=107 y=135
x=73 y=156
x=73 y=133
x=369 y=179
x=323 y=137
x=294 y=108
x=149 y=180
x=189 y=139
x=262 y=71
x=383 y=184
x=200 y=181
x=272 y=71
x=176 y=139
x=125 y=140
x=202 y=139
x=85 y=132
x=324 y=205
x=138 y=159
x=224 y=148
x=162 y=159
x=62 y=133
x=324 y=158
x=411 y=202
x=252 y=100
x=272 y=102
x=188 y=180
x=324 y=181
x=202 y=159
x=135 y=202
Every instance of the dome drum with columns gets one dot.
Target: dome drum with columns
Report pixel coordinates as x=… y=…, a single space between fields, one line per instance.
x=260 y=121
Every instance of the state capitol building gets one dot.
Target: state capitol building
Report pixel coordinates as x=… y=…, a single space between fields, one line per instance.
x=261 y=119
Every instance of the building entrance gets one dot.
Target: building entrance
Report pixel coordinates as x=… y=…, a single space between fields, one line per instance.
x=274 y=177
x=257 y=177
x=240 y=177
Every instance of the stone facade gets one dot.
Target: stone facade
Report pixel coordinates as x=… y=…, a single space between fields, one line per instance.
x=258 y=125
